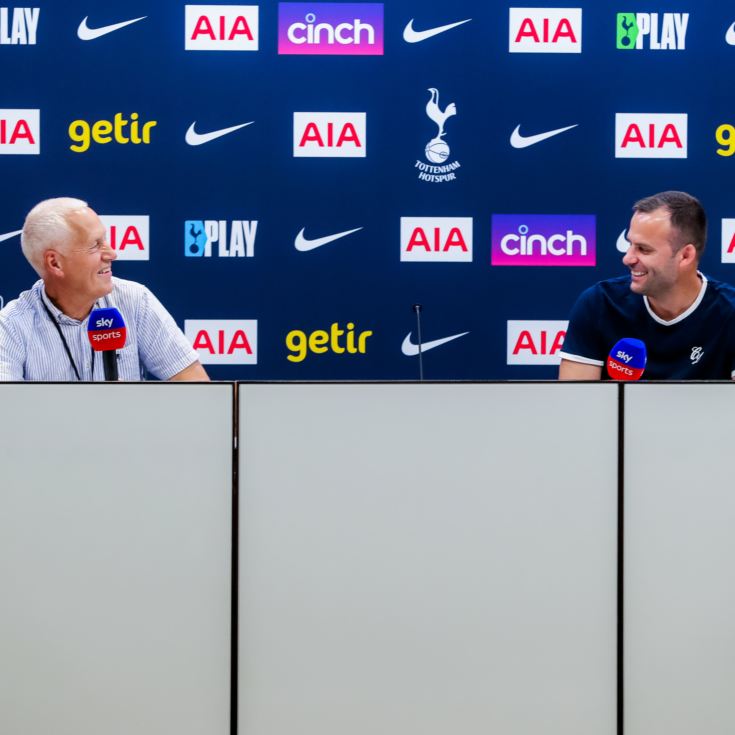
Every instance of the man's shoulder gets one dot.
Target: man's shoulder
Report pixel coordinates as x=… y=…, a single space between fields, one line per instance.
x=614 y=290
x=722 y=292
x=27 y=303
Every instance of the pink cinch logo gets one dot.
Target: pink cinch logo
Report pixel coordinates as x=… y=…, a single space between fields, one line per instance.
x=330 y=28
x=543 y=239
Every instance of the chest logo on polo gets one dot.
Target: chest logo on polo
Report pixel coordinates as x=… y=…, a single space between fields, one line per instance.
x=696 y=355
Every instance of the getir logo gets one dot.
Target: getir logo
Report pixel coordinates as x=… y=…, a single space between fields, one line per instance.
x=330 y=28
x=221 y=28
x=543 y=239
x=20 y=132
x=118 y=130
x=652 y=135
x=235 y=239
x=436 y=239
x=340 y=341
x=728 y=240
x=329 y=134
x=128 y=236
x=654 y=31
x=535 y=342
x=18 y=26
x=224 y=341
x=545 y=31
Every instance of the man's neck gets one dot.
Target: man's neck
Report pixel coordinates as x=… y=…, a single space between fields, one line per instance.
x=74 y=308
x=675 y=303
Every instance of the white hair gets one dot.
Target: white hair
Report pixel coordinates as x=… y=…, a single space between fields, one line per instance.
x=46 y=226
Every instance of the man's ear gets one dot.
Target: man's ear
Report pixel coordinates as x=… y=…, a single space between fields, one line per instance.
x=688 y=254
x=52 y=262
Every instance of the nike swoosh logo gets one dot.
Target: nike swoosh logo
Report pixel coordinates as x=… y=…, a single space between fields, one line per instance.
x=411 y=36
x=8 y=235
x=521 y=141
x=86 y=33
x=303 y=245
x=409 y=349
x=622 y=243
x=730 y=35
x=194 y=138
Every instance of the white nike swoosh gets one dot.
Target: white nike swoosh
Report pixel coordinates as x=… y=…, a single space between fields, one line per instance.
x=622 y=243
x=303 y=245
x=730 y=35
x=521 y=141
x=194 y=138
x=409 y=349
x=8 y=235
x=411 y=36
x=86 y=33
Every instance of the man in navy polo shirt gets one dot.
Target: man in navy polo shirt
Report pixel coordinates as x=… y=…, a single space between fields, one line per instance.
x=686 y=321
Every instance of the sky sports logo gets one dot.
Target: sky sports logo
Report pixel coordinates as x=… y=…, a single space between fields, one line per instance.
x=224 y=341
x=221 y=28
x=535 y=342
x=436 y=239
x=235 y=239
x=330 y=28
x=20 y=132
x=650 y=135
x=128 y=235
x=544 y=239
x=545 y=31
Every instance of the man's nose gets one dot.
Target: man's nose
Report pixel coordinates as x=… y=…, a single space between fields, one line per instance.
x=108 y=252
x=629 y=257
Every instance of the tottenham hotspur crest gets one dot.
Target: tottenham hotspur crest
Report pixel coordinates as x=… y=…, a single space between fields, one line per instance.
x=437 y=149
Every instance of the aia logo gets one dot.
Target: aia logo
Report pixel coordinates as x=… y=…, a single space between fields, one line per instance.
x=224 y=341
x=18 y=26
x=330 y=28
x=436 y=239
x=329 y=134
x=728 y=240
x=235 y=239
x=221 y=28
x=652 y=135
x=20 y=132
x=545 y=31
x=535 y=342
x=128 y=236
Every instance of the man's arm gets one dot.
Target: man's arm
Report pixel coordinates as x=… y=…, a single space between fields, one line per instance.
x=569 y=370
x=195 y=371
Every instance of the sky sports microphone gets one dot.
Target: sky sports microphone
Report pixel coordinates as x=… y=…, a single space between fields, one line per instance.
x=106 y=332
x=627 y=360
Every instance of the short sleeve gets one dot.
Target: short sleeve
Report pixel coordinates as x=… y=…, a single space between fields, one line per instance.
x=583 y=342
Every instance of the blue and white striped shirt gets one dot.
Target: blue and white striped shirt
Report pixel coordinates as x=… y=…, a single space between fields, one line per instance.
x=31 y=348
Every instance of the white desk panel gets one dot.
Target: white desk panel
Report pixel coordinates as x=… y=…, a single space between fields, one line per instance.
x=428 y=559
x=115 y=544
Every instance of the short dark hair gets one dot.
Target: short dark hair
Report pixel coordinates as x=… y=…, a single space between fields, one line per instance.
x=687 y=217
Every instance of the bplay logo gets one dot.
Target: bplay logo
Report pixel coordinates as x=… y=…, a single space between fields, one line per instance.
x=329 y=134
x=650 y=135
x=330 y=28
x=224 y=341
x=543 y=239
x=128 y=236
x=436 y=239
x=118 y=130
x=235 y=239
x=654 y=31
x=221 y=28
x=535 y=342
x=728 y=240
x=20 y=132
x=437 y=150
x=545 y=31
x=18 y=26
x=347 y=341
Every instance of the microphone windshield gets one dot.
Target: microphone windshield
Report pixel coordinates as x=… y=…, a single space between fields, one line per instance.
x=106 y=330
x=627 y=359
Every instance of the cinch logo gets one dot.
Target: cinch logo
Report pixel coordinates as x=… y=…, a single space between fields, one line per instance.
x=545 y=30
x=224 y=341
x=653 y=135
x=221 y=28
x=543 y=239
x=535 y=342
x=199 y=235
x=329 y=134
x=18 y=26
x=436 y=239
x=128 y=236
x=330 y=28
x=20 y=132
x=340 y=341
x=119 y=130
x=660 y=31
x=728 y=240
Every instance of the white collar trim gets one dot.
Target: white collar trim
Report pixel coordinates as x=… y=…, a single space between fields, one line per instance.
x=684 y=315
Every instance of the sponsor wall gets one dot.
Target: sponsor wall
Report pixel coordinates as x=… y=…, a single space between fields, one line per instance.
x=290 y=207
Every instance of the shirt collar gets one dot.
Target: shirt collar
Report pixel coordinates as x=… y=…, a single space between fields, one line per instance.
x=56 y=312
x=685 y=314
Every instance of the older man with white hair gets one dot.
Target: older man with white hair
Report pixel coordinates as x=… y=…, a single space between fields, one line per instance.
x=43 y=333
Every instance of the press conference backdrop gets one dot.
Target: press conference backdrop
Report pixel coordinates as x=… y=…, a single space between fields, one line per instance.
x=290 y=178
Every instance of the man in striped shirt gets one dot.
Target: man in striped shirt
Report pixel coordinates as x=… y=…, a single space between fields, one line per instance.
x=43 y=333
